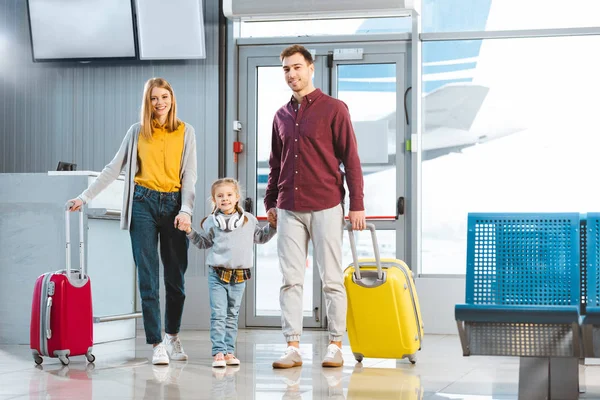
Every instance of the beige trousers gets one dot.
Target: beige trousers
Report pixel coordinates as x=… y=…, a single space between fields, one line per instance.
x=325 y=229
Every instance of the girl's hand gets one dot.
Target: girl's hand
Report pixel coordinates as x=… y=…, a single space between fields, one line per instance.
x=183 y=222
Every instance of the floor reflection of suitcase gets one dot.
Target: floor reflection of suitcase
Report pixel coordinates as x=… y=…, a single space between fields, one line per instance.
x=384 y=383
x=61 y=311
x=384 y=318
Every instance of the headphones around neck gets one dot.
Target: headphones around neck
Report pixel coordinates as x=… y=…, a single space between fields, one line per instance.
x=235 y=221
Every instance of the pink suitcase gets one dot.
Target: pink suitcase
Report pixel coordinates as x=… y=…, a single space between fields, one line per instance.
x=61 y=311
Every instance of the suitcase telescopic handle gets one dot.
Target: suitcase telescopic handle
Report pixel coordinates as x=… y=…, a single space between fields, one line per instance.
x=371 y=227
x=82 y=268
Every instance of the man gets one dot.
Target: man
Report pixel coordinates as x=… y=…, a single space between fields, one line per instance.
x=312 y=136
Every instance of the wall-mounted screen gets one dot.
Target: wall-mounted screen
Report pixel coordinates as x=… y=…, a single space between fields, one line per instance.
x=81 y=29
x=170 y=30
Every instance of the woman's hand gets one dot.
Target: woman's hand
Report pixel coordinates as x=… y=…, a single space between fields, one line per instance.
x=183 y=222
x=75 y=204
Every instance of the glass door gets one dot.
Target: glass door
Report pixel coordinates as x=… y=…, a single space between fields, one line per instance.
x=373 y=89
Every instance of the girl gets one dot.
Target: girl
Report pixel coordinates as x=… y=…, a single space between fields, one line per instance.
x=230 y=234
x=158 y=155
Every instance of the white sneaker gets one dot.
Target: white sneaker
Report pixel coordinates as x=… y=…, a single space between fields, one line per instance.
x=159 y=355
x=230 y=359
x=219 y=361
x=174 y=348
x=333 y=358
x=290 y=359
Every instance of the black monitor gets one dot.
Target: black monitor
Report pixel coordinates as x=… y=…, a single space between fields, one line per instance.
x=66 y=166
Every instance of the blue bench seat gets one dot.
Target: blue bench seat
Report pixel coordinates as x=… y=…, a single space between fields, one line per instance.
x=518 y=314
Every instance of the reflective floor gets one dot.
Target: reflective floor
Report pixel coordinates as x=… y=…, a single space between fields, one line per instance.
x=122 y=371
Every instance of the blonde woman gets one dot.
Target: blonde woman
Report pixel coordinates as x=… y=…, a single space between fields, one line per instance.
x=158 y=156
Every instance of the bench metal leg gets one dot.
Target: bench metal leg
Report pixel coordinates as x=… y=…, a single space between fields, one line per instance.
x=582 y=388
x=588 y=340
x=564 y=378
x=545 y=378
x=534 y=378
x=462 y=334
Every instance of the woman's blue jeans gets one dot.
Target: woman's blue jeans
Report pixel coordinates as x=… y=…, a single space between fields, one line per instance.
x=225 y=301
x=152 y=218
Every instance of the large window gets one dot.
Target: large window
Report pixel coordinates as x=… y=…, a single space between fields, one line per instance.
x=509 y=126
x=491 y=15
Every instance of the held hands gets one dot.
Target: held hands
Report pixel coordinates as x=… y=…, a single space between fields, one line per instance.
x=358 y=220
x=272 y=217
x=76 y=204
x=183 y=222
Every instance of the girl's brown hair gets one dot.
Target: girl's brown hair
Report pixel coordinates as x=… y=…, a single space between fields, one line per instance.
x=147 y=109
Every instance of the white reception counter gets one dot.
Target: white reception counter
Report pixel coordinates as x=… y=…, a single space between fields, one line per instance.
x=32 y=243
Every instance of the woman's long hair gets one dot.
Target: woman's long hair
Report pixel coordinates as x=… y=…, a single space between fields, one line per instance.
x=147 y=109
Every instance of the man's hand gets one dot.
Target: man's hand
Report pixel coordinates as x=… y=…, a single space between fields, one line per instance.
x=183 y=222
x=358 y=220
x=272 y=217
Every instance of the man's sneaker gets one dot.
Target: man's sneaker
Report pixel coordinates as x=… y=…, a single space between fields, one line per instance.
x=230 y=359
x=159 y=355
x=333 y=358
x=174 y=348
x=219 y=361
x=290 y=359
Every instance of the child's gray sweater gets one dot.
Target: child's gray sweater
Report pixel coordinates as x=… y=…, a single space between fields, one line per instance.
x=231 y=249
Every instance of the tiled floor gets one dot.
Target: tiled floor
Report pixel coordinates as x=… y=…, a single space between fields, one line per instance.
x=122 y=371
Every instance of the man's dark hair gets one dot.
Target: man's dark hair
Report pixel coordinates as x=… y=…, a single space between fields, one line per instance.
x=296 y=48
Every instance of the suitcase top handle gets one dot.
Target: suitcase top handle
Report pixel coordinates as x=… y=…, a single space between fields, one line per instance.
x=82 y=266
x=371 y=227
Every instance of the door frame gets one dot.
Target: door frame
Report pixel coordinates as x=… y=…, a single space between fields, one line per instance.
x=252 y=53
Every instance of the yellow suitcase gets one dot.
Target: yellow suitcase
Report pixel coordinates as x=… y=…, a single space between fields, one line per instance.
x=384 y=317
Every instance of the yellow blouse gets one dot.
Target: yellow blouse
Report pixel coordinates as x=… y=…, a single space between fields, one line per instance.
x=159 y=159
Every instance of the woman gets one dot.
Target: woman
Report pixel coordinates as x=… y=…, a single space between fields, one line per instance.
x=158 y=155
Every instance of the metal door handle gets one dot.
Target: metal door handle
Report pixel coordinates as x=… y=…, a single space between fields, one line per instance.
x=248 y=205
x=317 y=318
x=400 y=207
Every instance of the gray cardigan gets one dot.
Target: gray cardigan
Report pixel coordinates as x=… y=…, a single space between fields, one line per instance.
x=126 y=158
x=231 y=249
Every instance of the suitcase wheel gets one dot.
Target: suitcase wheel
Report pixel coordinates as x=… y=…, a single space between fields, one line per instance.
x=90 y=357
x=358 y=357
x=38 y=360
x=412 y=358
x=64 y=360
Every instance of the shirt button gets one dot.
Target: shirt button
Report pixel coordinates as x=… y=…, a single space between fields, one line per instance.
x=296 y=124
x=296 y=171
x=296 y=156
x=296 y=188
x=295 y=140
